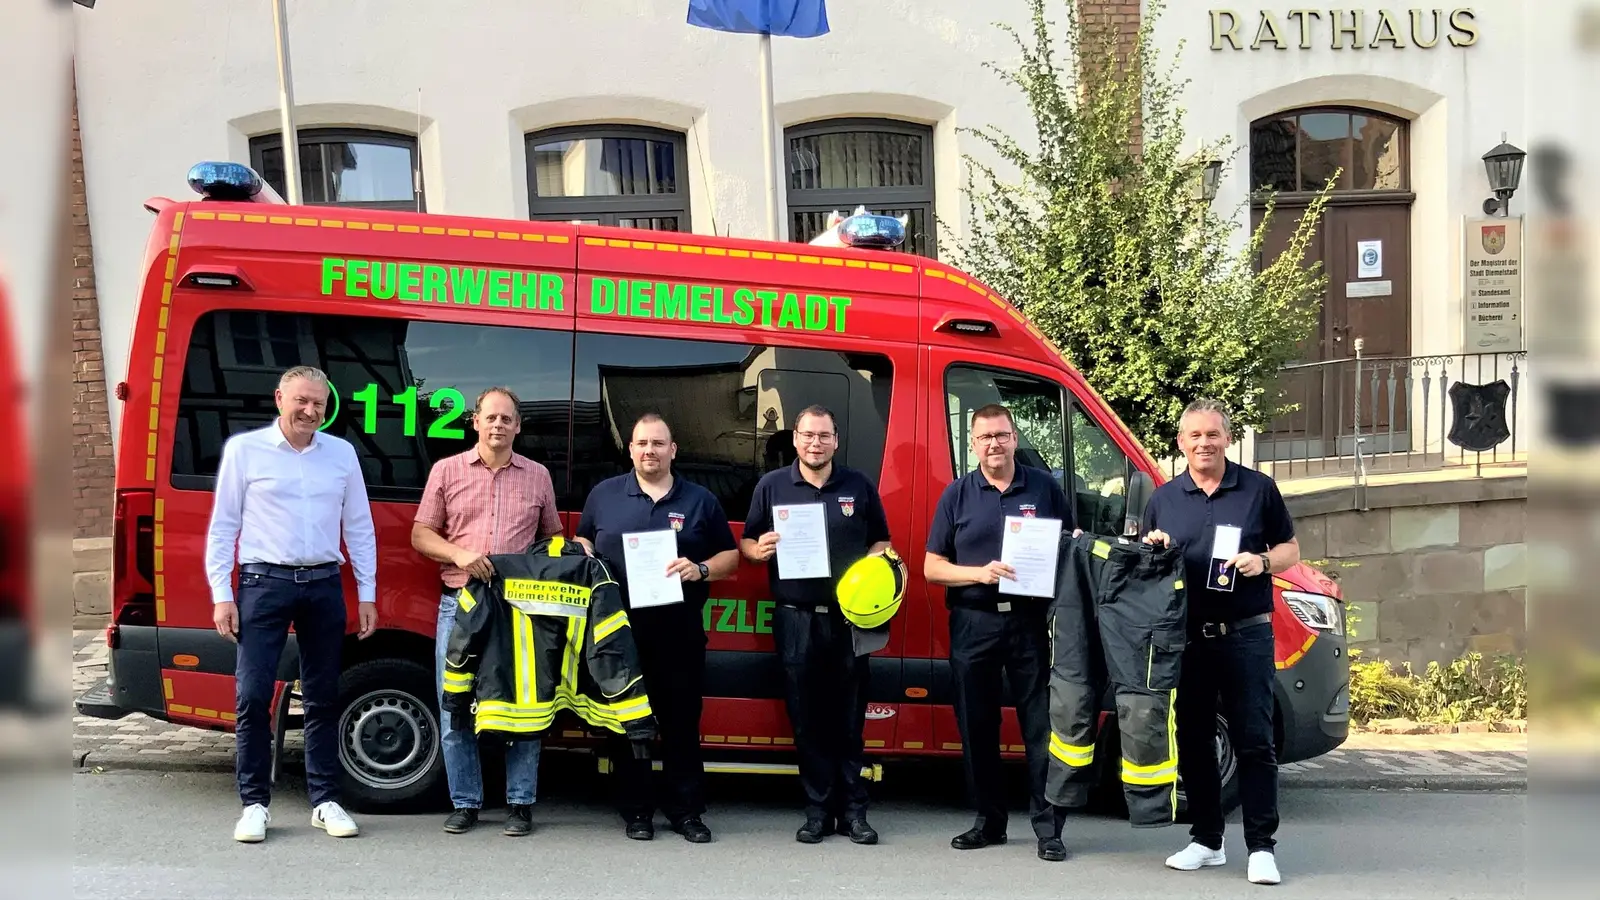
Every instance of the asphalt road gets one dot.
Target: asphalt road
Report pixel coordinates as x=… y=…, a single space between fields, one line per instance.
x=142 y=834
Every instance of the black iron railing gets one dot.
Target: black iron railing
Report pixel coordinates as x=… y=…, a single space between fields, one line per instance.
x=1385 y=414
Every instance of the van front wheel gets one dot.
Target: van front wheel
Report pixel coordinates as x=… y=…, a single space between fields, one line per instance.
x=389 y=749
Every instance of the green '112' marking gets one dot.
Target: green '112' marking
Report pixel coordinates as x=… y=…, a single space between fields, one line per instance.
x=439 y=428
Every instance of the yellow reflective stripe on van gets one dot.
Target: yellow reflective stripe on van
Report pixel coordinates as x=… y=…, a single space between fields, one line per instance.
x=610 y=624
x=1075 y=755
x=465 y=601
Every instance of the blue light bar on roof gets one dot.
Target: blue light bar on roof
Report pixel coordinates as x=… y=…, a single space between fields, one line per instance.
x=224 y=181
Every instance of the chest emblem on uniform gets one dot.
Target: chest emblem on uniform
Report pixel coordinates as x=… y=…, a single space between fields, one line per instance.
x=676 y=519
x=847 y=505
x=1028 y=510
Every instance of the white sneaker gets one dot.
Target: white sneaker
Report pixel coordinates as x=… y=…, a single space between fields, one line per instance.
x=1196 y=855
x=1263 y=868
x=252 y=826
x=331 y=817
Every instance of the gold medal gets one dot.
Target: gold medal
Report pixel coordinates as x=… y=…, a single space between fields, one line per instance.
x=1222 y=579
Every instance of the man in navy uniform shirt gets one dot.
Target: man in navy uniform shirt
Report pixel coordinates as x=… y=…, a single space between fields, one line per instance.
x=990 y=631
x=1230 y=649
x=671 y=638
x=825 y=682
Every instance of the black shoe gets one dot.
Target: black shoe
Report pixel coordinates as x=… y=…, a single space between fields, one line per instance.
x=862 y=833
x=641 y=829
x=1052 y=850
x=693 y=830
x=461 y=821
x=814 y=830
x=519 y=821
x=976 y=839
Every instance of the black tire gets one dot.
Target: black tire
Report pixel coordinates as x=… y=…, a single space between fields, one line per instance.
x=1109 y=798
x=389 y=752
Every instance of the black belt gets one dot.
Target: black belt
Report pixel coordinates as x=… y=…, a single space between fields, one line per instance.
x=296 y=574
x=1218 y=629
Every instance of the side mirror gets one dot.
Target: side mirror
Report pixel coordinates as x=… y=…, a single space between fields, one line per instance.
x=1140 y=487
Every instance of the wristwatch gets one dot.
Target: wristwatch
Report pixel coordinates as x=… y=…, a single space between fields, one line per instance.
x=704 y=572
x=1266 y=564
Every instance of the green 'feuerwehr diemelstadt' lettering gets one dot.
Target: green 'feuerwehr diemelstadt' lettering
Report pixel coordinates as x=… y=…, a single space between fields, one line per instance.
x=713 y=304
x=411 y=282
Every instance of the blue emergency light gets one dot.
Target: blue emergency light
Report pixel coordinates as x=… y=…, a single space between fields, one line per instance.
x=225 y=181
x=872 y=231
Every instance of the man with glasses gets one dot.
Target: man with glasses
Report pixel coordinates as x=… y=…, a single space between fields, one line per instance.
x=991 y=632
x=825 y=681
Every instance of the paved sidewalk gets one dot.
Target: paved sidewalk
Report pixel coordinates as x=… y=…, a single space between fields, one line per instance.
x=1366 y=761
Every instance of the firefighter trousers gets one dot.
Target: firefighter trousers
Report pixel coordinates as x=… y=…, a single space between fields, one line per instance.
x=825 y=691
x=1118 y=616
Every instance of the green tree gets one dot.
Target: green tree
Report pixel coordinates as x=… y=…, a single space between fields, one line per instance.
x=1107 y=246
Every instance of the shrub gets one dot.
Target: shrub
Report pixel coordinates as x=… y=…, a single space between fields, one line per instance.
x=1465 y=689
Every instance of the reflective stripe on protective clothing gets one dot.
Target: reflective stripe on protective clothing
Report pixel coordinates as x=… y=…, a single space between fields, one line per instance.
x=1118 y=615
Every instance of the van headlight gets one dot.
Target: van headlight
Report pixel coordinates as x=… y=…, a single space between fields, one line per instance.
x=1316 y=611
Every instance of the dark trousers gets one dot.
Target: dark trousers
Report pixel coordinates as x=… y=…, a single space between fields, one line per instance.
x=267 y=607
x=983 y=644
x=1239 y=668
x=672 y=654
x=825 y=690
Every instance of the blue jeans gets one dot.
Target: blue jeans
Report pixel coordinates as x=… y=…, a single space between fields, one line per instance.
x=267 y=607
x=461 y=766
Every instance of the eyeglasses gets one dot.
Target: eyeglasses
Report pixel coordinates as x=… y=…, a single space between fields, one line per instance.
x=994 y=437
x=821 y=437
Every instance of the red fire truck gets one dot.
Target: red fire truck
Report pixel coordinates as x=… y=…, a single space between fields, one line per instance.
x=412 y=314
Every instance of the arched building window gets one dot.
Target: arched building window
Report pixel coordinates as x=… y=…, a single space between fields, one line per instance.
x=839 y=164
x=1296 y=152
x=623 y=175
x=346 y=167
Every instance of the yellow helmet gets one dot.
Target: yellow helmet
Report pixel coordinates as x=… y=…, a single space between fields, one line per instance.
x=870 y=590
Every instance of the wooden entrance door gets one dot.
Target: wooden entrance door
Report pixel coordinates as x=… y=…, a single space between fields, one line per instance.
x=1371 y=302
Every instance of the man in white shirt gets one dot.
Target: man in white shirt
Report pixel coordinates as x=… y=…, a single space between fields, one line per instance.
x=283 y=495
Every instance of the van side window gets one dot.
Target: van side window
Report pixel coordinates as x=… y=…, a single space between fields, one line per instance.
x=730 y=407
x=1102 y=471
x=1035 y=406
x=403 y=390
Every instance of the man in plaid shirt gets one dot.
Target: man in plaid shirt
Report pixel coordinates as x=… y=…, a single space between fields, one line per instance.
x=484 y=501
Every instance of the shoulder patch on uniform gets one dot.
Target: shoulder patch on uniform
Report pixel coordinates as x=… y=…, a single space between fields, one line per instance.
x=1102 y=549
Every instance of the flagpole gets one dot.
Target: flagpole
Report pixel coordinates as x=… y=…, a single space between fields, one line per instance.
x=768 y=137
x=291 y=140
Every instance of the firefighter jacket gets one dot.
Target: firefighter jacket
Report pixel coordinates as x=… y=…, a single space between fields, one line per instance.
x=547 y=632
x=1119 y=614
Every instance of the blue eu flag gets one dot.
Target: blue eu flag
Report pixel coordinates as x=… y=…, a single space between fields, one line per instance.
x=780 y=18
